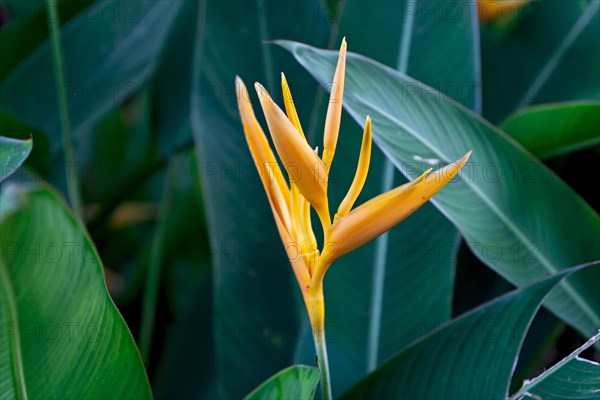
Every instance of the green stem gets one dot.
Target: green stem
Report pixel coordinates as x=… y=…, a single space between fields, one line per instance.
x=323 y=364
x=67 y=135
x=154 y=270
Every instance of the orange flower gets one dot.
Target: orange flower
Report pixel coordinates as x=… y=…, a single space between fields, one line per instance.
x=308 y=174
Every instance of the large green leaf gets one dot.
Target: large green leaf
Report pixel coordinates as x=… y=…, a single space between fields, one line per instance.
x=515 y=214
x=27 y=28
x=534 y=59
x=297 y=382
x=13 y=153
x=471 y=357
x=400 y=286
x=185 y=358
x=173 y=83
x=256 y=316
x=401 y=34
x=130 y=37
x=572 y=378
x=551 y=130
x=64 y=338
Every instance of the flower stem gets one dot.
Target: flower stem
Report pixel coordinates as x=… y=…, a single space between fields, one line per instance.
x=315 y=305
x=67 y=135
x=323 y=364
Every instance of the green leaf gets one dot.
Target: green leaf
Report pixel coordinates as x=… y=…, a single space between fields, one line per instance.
x=400 y=286
x=571 y=378
x=535 y=59
x=296 y=382
x=400 y=35
x=133 y=33
x=185 y=356
x=64 y=336
x=13 y=153
x=256 y=299
x=514 y=213
x=552 y=130
x=27 y=28
x=173 y=83
x=471 y=357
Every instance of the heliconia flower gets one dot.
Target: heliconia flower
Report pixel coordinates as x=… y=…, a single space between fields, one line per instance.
x=307 y=174
x=305 y=169
x=491 y=10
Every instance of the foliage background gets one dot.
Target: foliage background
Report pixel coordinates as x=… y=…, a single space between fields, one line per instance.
x=171 y=195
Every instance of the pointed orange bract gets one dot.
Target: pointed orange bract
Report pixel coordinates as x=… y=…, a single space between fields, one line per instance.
x=334 y=111
x=361 y=172
x=305 y=169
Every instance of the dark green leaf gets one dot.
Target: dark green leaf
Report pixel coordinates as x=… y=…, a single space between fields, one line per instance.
x=472 y=357
x=571 y=378
x=129 y=37
x=536 y=59
x=13 y=153
x=400 y=286
x=256 y=318
x=185 y=357
x=514 y=213
x=27 y=28
x=552 y=130
x=64 y=336
x=296 y=382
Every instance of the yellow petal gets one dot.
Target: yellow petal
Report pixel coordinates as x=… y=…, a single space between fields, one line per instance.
x=305 y=169
x=361 y=172
x=279 y=200
x=334 y=110
x=264 y=159
x=492 y=10
x=296 y=217
x=331 y=249
x=294 y=253
x=311 y=240
x=290 y=109
x=380 y=214
x=273 y=182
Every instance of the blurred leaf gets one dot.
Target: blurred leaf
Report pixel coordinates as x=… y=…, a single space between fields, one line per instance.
x=173 y=83
x=505 y=214
x=129 y=36
x=400 y=287
x=256 y=316
x=333 y=8
x=470 y=357
x=296 y=382
x=552 y=130
x=27 y=27
x=535 y=59
x=571 y=378
x=185 y=368
x=453 y=68
x=61 y=325
x=13 y=153
x=117 y=148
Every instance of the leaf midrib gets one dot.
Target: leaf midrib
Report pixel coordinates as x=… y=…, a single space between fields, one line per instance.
x=549 y=266
x=382 y=243
x=15 y=338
